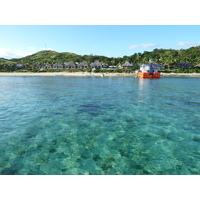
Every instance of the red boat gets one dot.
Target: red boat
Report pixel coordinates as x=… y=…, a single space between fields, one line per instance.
x=149 y=71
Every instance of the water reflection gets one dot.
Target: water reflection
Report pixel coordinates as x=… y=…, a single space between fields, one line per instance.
x=143 y=87
x=148 y=89
x=141 y=84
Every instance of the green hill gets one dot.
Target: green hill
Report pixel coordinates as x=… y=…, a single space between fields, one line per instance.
x=44 y=56
x=169 y=57
x=5 y=61
x=48 y=56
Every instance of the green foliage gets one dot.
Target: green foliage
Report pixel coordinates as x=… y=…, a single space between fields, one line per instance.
x=6 y=61
x=167 y=57
x=192 y=70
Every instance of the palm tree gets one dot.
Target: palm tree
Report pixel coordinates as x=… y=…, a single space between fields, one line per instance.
x=138 y=56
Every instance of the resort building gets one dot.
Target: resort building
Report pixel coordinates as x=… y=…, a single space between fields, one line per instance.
x=97 y=65
x=82 y=65
x=47 y=66
x=69 y=65
x=197 y=66
x=127 y=65
x=183 y=65
x=57 y=66
x=19 y=66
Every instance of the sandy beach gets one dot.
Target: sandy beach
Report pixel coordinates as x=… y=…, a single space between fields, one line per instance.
x=63 y=74
x=93 y=74
x=180 y=74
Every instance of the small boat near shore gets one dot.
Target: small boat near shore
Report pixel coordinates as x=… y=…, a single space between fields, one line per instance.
x=150 y=70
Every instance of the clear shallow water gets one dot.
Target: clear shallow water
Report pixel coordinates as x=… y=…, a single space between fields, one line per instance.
x=95 y=125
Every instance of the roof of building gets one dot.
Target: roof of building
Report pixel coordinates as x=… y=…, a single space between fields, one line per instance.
x=71 y=63
x=127 y=64
x=84 y=63
x=96 y=63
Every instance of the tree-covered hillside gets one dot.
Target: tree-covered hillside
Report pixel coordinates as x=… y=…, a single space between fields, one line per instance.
x=5 y=61
x=167 y=57
x=50 y=57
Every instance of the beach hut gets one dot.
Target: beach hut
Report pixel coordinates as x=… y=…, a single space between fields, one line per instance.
x=46 y=66
x=82 y=65
x=127 y=65
x=69 y=65
x=197 y=66
x=96 y=65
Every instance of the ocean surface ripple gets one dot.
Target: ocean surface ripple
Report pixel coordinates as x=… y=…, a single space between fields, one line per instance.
x=99 y=126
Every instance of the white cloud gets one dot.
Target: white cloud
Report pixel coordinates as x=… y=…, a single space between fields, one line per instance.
x=31 y=48
x=187 y=44
x=10 y=53
x=144 y=46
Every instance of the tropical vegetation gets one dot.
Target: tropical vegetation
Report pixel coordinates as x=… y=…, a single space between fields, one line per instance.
x=169 y=58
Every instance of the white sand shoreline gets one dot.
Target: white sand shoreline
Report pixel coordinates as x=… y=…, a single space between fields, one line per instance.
x=93 y=74
x=63 y=74
x=180 y=74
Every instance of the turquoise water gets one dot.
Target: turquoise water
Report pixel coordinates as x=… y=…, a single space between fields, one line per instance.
x=95 y=125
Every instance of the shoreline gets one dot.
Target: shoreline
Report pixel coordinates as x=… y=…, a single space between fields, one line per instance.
x=64 y=74
x=180 y=74
x=93 y=74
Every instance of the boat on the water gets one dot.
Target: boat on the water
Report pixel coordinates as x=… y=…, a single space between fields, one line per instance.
x=150 y=70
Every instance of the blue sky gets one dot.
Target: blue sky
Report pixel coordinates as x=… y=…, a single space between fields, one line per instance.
x=108 y=40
